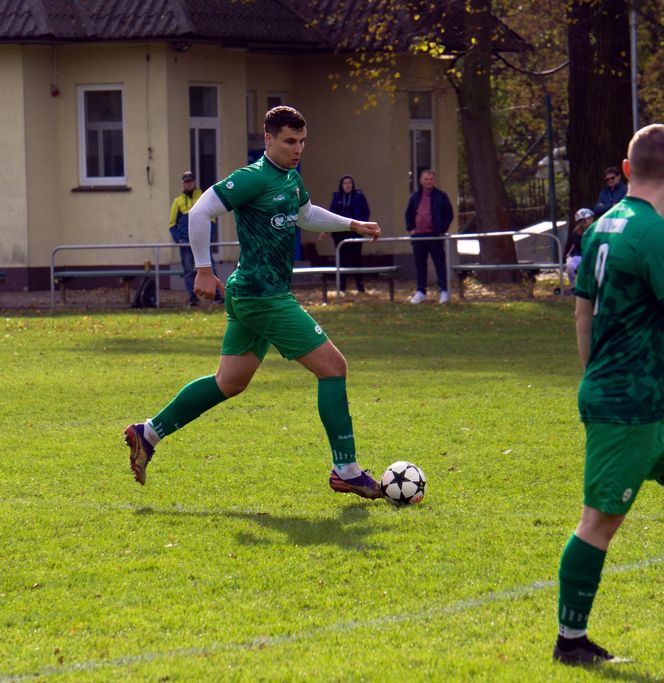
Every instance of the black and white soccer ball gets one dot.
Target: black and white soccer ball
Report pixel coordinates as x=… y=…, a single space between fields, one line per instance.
x=403 y=483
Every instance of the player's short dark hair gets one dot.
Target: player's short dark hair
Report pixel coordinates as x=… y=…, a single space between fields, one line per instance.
x=646 y=153
x=279 y=117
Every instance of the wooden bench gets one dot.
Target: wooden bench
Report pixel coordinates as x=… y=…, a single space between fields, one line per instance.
x=328 y=273
x=125 y=275
x=529 y=270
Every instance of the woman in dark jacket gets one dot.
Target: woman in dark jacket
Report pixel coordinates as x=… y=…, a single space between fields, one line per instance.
x=351 y=202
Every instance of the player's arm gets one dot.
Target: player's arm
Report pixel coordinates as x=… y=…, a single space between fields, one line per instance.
x=584 y=322
x=205 y=210
x=318 y=219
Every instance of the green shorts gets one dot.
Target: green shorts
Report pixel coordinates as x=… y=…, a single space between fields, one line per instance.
x=256 y=322
x=619 y=458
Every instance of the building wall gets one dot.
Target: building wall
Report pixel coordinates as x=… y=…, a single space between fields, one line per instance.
x=13 y=178
x=207 y=65
x=371 y=143
x=40 y=135
x=105 y=216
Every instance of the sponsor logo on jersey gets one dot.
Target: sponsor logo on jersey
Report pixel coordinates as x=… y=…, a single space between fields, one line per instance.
x=281 y=221
x=230 y=184
x=279 y=198
x=611 y=225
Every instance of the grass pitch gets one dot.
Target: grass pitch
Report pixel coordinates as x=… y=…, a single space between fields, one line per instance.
x=236 y=562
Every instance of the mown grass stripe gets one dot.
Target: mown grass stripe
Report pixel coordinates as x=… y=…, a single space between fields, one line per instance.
x=273 y=641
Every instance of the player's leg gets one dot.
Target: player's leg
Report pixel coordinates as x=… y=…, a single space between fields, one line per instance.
x=329 y=366
x=242 y=353
x=297 y=336
x=191 y=401
x=579 y=575
x=618 y=460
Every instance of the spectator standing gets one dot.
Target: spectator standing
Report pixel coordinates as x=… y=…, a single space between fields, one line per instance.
x=583 y=218
x=429 y=214
x=350 y=202
x=614 y=191
x=179 y=229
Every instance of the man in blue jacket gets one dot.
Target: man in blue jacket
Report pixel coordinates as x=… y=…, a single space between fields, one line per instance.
x=429 y=214
x=614 y=191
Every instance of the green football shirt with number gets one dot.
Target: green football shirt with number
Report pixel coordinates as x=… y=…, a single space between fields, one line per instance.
x=622 y=275
x=266 y=200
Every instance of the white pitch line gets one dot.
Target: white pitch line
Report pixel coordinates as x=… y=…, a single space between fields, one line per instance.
x=343 y=626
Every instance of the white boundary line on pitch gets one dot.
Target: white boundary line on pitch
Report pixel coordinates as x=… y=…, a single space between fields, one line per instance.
x=272 y=641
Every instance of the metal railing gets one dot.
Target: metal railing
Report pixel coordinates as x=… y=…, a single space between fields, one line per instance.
x=158 y=247
x=452 y=237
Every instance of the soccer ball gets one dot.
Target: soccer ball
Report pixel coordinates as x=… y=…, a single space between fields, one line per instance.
x=403 y=483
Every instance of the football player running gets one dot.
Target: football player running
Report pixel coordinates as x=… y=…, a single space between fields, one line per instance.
x=269 y=200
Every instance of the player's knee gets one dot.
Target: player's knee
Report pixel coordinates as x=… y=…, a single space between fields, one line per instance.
x=230 y=387
x=336 y=367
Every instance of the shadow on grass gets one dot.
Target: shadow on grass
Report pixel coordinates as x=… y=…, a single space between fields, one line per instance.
x=342 y=531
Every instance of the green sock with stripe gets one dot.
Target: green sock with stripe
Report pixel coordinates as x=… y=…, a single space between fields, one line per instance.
x=334 y=414
x=580 y=574
x=193 y=400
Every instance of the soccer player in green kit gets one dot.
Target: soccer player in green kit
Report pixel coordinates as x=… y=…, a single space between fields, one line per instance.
x=620 y=337
x=269 y=200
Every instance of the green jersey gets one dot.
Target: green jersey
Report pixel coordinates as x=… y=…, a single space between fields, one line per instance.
x=266 y=200
x=622 y=274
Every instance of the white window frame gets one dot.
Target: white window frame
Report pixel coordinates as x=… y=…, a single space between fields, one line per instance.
x=82 y=138
x=207 y=123
x=415 y=125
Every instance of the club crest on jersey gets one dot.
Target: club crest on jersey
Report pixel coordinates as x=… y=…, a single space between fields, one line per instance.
x=230 y=184
x=282 y=221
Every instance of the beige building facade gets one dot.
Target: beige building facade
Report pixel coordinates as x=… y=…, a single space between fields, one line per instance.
x=95 y=137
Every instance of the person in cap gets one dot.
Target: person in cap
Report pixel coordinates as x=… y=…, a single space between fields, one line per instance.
x=179 y=229
x=583 y=218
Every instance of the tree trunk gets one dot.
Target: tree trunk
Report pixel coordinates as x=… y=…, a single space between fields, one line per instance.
x=491 y=205
x=600 y=123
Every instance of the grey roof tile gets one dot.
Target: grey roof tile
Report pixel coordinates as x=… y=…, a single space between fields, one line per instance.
x=294 y=25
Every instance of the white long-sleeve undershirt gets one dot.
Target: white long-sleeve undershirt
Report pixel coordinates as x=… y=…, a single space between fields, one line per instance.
x=209 y=206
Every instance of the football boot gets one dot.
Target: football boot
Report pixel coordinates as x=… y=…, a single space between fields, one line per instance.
x=364 y=486
x=140 y=451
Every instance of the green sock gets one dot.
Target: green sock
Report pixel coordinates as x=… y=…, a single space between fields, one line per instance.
x=333 y=411
x=580 y=573
x=193 y=400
